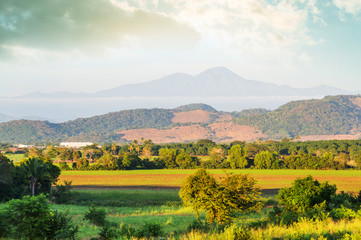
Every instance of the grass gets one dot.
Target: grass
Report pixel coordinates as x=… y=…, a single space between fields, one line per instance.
x=127 y=197
x=346 y=180
x=135 y=210
x=16 y=158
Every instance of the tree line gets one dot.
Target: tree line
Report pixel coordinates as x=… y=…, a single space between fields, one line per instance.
x=144 y=154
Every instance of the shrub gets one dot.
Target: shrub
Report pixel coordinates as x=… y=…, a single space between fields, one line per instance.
x=63 y=166
x=149 y=230
x=61 y=226
x=235 y=233
x=107 y=232
x=29 y=217
x=343 y=213
x=305 y=193
x=127 y=231
x=279 y=216
x=96 y=215
x=62 y=192
x=4 y=225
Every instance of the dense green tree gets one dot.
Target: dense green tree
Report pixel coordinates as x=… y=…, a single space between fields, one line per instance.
x=35 y=169
x=237 y=157
x=221 y=201
x=266 y=160
x=305 y=193
x=6 y=177
x=168 y=156
x=185 y=161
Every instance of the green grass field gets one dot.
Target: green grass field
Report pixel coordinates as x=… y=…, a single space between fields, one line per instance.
x=346 y=180
x=15 y=157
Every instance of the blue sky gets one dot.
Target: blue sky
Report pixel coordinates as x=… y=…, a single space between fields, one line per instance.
x=90 y=45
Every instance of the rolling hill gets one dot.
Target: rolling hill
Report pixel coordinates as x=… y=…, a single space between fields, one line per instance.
x=330 y=117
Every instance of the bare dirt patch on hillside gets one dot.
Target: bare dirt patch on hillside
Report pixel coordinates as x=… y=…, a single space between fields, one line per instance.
x=228 y=131
x=196 y=116
x=357 y=101
x=329 y=137
x=177 y=134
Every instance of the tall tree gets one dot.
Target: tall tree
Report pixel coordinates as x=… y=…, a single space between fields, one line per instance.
x=237 y=157
x=35 y=169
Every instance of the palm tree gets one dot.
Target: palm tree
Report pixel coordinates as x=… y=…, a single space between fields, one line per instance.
x=35 y=169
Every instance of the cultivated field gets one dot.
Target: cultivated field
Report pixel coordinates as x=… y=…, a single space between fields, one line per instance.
x=346 y=180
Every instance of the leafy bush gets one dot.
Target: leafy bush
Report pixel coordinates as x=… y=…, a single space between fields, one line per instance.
x=61 y=226
x=107 y=232
x=29 y=217
x=62 y=192
x=347 y=200
x=127 y=231
x=236 y=233
x=96 y=215
x=149 y=230
x=305 y=193
x=343 y=213
x=4 y=225
x=279 y=216
x=63 y=166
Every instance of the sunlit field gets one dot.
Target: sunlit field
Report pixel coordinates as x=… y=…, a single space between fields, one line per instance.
x=266 y=179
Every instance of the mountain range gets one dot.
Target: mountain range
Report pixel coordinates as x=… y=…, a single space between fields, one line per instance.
x=213 y=82
x=333 y=117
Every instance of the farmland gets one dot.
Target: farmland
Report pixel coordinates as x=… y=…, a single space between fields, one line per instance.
x=346 y=180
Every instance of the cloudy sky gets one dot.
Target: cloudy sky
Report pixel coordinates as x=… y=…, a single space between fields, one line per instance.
x=90 y=45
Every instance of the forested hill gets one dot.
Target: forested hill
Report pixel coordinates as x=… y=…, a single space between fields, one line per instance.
x=96 y=128
x=329 y=116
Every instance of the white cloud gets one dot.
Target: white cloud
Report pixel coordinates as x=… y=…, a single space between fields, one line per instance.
x=248 y=26
x=349 y=6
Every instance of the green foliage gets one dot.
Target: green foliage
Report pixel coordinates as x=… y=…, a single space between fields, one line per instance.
x=82 y=164
x=185 y=161
x=194 y=106
x=330 y=115
x=221 y=201
x=63 y=166
x=62 y=193
x=107 y=233
x=96 y=215
x=150 y=230
x=6 y=177
x=266 y=160
x=168 y=156
x=127 y=231
x=197 y=190
x=237 y=157
x=4 y=225
x=281 y=217
x=29 y=217
x=305 y=194
x=61 y=226
x=343 y=213
x=235 y=232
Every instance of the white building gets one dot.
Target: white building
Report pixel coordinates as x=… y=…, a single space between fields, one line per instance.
x=75 y=144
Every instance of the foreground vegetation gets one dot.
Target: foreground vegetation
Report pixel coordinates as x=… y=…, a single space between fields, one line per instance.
x=145 y=213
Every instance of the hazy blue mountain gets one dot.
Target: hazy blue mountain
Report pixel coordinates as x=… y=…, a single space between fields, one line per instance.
x=214 y=82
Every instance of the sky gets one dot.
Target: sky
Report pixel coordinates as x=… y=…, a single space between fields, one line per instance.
x=91 y=45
